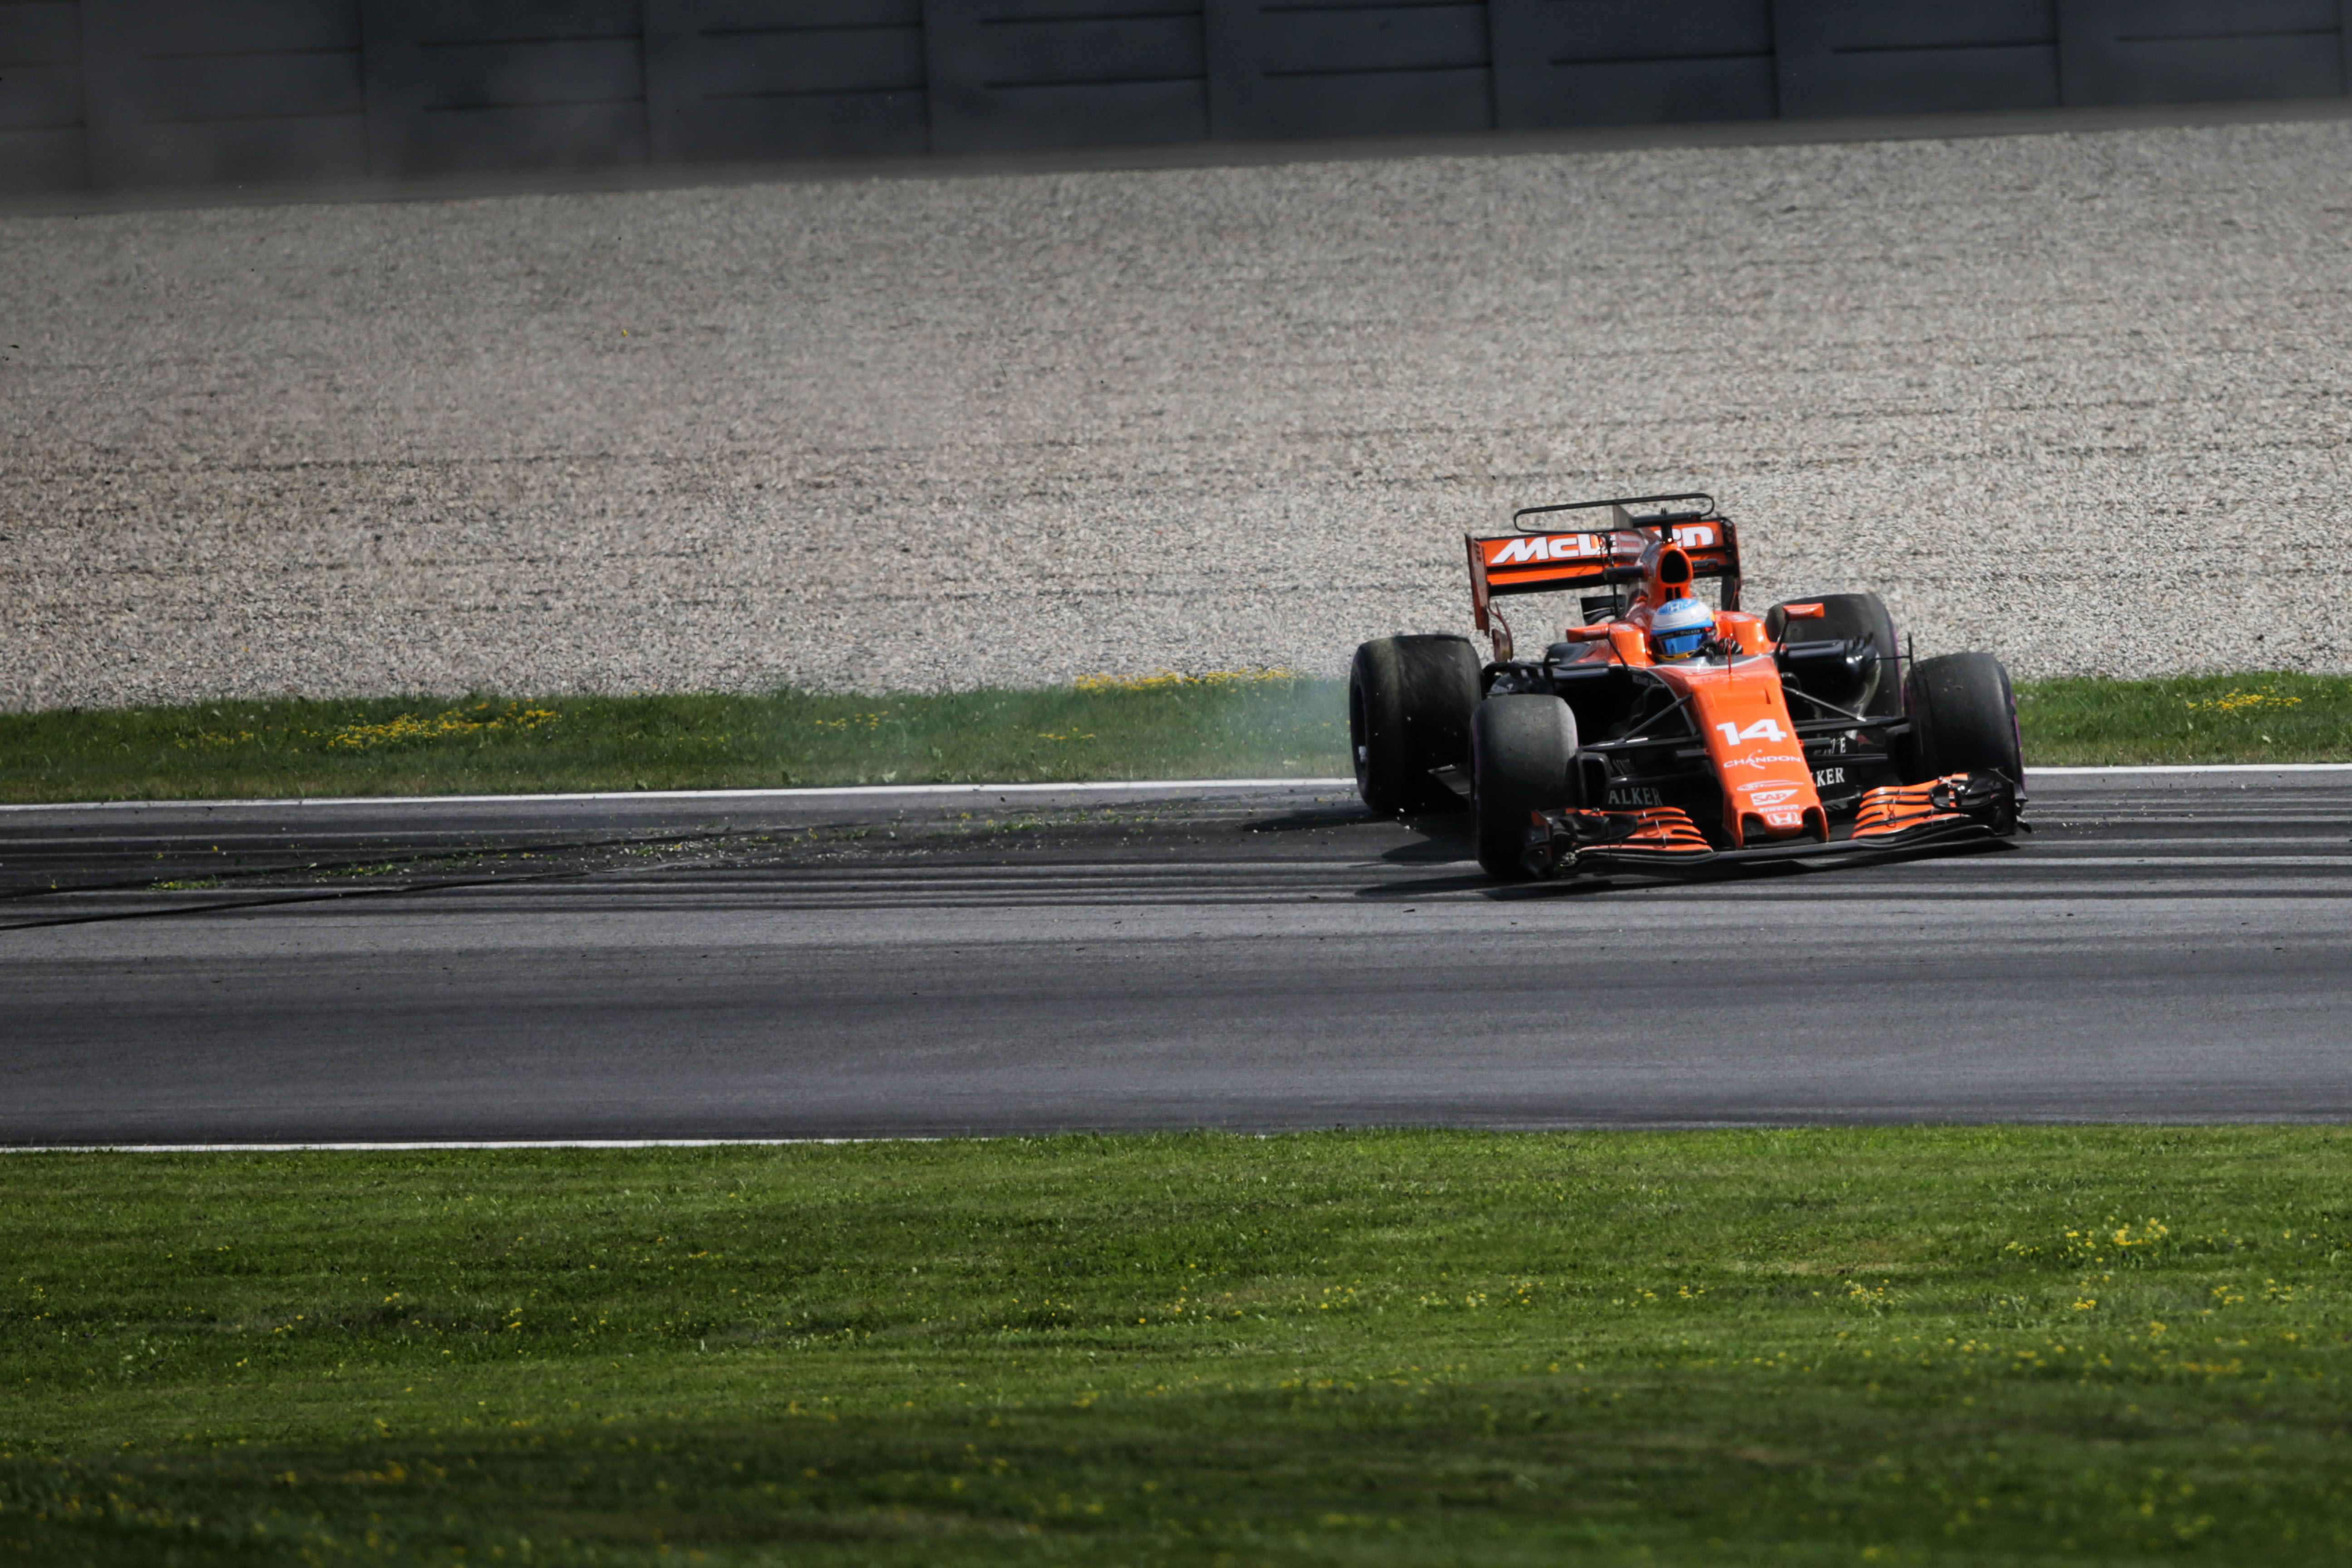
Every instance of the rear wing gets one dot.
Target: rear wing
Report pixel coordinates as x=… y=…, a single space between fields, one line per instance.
x=1604 y=551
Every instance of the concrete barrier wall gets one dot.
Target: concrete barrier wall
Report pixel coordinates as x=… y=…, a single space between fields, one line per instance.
x=129 y=94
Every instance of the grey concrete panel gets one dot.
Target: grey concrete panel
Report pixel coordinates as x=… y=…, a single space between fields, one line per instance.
x=522 y=23
x=784 y=79
x=40 y=33
x=1334 y=40
x=42 y=147
x=40 y=97
x=503 y=84
x=1638 y=93
x=1007 y=46
x=1357 y=105
x=1905 y=57
x=530 y=136
x=228 y=92
x=183 y=29
x=213 y=89
x=42 y=160
x=1064 y=73
x=551 y=72
x=2184 y=51
x=235 y=151
x=1627 y=62
x=1347 y=69
x=1068 y=115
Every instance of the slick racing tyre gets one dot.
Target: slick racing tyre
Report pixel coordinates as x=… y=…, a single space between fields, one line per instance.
x=1876 y=691
x=1408 y=706
x=1963 y=718
x=1522 y=760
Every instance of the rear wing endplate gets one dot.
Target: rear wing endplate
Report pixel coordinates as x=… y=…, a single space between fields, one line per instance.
x=1605 y=552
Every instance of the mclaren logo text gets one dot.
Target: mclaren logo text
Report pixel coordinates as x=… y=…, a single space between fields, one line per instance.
x=1537 y=548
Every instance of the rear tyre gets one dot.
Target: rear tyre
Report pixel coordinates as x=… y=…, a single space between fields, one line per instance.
x=1409 y=705
x=1877 y=692
x=1522 y=760
x=1963 y=718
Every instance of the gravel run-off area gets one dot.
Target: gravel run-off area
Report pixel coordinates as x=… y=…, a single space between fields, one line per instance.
x=2081 y=398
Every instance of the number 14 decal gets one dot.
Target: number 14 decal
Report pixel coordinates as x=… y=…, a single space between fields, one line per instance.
x=1762 y=729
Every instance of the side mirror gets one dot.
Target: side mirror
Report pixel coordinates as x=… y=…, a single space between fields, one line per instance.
x=1775 y=622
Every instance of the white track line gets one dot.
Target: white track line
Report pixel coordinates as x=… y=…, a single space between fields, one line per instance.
x=876 y=792
x=2205 y=768
x=850 y=791
x=427 y=1148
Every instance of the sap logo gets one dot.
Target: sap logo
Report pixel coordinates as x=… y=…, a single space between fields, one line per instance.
x=1696 y=536
x=1537 y=548
x=1828 y=775
x=1770 y=797
x=1636 y=795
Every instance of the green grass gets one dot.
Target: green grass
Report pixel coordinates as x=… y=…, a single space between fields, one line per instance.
x=2261 y=718
x=1243 y=726
x=1922 y=1346
x=1233 y=726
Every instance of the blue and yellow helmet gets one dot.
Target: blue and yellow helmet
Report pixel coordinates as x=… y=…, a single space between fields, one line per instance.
x=1680 y=627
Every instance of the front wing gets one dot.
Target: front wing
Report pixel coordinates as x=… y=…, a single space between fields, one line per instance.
x=1956 y=809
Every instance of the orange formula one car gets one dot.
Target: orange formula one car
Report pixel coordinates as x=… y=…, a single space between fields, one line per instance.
x=1668 y=732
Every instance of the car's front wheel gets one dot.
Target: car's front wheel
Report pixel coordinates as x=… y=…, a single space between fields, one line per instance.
x=1963 y=718
x=1522 y=761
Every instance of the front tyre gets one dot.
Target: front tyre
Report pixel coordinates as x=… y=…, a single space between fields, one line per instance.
x=1522 y=760
x=1408 y=704
x=1963 y=718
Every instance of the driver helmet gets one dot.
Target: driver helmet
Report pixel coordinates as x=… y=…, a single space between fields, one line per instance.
x=1680 y=627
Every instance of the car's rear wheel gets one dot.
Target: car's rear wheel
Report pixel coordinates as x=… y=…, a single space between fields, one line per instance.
x=1408 y=704
x=1875 y=691
x=1963 y=718
x=1522 y=760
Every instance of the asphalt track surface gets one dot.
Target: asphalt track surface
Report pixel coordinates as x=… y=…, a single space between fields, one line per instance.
x=2166 y=945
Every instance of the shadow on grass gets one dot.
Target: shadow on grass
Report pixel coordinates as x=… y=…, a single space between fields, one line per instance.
x=1928 y=1345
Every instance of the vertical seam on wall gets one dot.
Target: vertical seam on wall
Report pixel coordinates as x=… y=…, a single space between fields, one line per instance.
x=645 y=91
